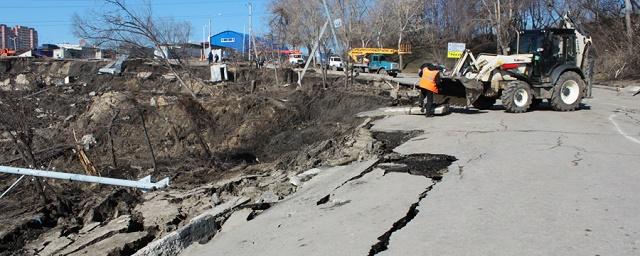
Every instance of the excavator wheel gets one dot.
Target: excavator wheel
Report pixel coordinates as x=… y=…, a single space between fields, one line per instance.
x=568 y=92
x=517 y=97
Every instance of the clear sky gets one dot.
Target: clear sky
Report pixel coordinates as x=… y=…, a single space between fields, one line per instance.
x=52 y=18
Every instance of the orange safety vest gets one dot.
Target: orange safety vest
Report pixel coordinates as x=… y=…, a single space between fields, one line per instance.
x=428 y=80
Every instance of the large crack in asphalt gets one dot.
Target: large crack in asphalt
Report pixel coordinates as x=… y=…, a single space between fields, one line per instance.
x=431 y=166
x=383 y=240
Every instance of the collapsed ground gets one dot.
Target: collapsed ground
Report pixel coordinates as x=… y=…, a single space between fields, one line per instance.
x=232 y=140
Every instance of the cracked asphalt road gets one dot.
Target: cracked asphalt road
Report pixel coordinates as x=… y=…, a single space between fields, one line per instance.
x=537 y=183
x=349 y=223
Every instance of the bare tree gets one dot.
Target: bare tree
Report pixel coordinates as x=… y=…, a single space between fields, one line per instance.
x=120 y=24
x=404 y=17
x=430 y=24
x=628 y=10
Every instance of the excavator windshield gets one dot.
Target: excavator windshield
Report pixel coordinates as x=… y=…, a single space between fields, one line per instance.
x=527 y=42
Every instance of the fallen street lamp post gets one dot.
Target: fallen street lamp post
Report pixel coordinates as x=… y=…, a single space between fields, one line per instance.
x=144 y=183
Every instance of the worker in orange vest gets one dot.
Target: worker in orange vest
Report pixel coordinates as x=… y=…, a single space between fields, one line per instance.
x=429 y=74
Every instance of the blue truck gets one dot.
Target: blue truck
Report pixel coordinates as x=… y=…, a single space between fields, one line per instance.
x=374 y=60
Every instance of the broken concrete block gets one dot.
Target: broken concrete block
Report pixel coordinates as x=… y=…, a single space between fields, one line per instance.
x=202 y=227
x=48 y=80
x=268 y=197
x=55 y=245
x=116 y=244
x=309 y=174
x=158 y=213
x=88 y=227
x=236 y=179
x=102 y=107
x=144 y=75
x=118 y=225
x=365 y=123
x=158 y=102
x=45 y=239
x=169 y=76
x=162 y=102
x=295 y=180
x=21 y=79
x=249 y=191
x=215 y=199
x=87 y=141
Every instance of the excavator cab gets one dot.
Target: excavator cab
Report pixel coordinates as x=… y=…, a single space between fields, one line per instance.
x=551 y=49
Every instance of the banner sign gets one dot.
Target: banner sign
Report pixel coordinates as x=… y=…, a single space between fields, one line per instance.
x=455 y=50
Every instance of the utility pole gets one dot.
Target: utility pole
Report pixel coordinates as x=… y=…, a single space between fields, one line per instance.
x=244 y=40
x=204 y=49
x=209 y=38
x=313 y=52
x=250 y=28
x=333 y=30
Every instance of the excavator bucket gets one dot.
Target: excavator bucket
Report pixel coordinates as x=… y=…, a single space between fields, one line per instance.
x=455 y=85
x=463 y=91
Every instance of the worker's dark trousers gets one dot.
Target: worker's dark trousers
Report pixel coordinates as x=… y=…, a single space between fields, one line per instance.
x=427 y=102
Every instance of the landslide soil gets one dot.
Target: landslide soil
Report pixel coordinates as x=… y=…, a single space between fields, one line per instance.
x=228 y=129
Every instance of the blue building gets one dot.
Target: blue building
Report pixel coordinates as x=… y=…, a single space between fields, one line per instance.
x=239 y=42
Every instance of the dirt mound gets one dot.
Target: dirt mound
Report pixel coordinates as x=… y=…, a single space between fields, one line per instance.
x=257 y=137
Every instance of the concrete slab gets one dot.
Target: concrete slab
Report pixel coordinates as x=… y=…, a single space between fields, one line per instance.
x=158 y=213
x=114 y=245
x=349 y=223
x=199 y=228
x=56 y=244
x=114 y=226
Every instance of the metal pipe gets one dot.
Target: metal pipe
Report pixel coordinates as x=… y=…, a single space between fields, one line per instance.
x=10 y=187
x=144 y=183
